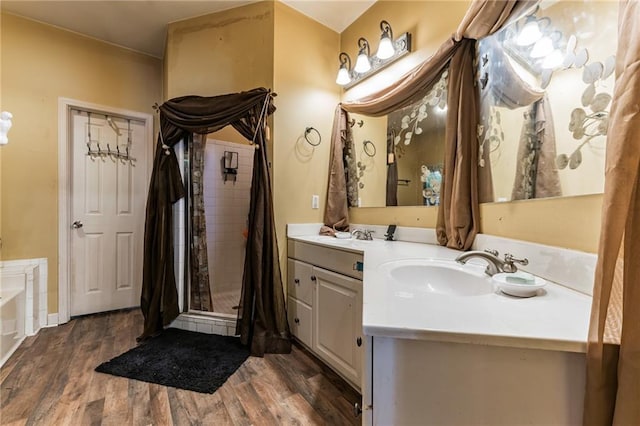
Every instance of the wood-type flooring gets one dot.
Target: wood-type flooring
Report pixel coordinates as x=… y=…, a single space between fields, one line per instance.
x=50 y=380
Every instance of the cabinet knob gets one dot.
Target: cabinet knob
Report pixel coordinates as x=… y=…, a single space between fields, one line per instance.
x=357 y=410
x=359 y=341
x=297 y=281
x=313 y=278
x=297 y=320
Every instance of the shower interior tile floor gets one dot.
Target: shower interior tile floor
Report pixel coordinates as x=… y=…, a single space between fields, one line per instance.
x=50 y=380
x=224 y=302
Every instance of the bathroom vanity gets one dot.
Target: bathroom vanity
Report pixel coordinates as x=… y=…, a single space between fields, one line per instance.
x=324 y=306
x=433 y=356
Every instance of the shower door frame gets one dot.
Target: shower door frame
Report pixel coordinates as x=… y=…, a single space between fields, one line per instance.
x=186 y=308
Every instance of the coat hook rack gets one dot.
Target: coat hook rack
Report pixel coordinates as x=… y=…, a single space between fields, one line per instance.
x=353 y=122
x=309 y=140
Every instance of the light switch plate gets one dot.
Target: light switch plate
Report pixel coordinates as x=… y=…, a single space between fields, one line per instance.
x=315 y=201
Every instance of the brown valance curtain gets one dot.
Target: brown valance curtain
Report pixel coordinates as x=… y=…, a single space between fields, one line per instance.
x=613 y=371
x=263 y=323
x=458 y=215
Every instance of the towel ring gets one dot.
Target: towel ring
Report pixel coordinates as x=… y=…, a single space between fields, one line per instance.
x=369 y=148
x=307 y=131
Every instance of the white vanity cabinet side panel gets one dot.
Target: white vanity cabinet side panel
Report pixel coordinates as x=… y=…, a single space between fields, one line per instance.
x=299 y=283
x=337 y=334
x=420 y=382
x=300 y=318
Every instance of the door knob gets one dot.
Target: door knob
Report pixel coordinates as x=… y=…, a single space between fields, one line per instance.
x=359 y=341
x=297 y=320
x=77 y=224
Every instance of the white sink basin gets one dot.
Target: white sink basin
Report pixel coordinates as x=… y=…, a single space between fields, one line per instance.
x=445 y=277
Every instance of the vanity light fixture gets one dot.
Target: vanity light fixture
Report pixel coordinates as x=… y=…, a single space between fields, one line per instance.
x=385 y=48
x=389 y=51
x=363 y=64
x=344 y=73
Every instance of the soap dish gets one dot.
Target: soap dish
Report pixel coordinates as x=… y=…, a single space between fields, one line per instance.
x=518 y=289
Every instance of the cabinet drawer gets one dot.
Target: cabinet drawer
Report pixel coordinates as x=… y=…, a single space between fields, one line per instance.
x=300 y=318
x=333 y=259
x=299 y=282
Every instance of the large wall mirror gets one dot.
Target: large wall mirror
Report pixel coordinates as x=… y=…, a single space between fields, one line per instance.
x=408 y=144
x=545 y=84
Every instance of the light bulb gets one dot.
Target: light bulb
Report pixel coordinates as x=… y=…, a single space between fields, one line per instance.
x=530 y=34
x=553 y=60
x=362 y=63
x=385 y=49
x=542 y=48
x=343 y=76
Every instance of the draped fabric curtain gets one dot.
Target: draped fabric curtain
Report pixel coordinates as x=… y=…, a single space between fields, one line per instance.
x=613 y=370
x=458 y=215
x=263 y=324
x=262 y=319
x=200 y=292
x=336 y=213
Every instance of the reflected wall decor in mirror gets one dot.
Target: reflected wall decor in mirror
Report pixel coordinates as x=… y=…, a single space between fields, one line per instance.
x=545 y=86
x=407 y=169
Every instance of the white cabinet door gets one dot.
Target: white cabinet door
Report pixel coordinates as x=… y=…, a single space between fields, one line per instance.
x=337 y=336
x=300 y=321
x=299 y=284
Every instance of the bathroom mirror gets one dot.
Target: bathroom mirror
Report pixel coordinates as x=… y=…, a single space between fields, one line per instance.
x=408 y=152
x=546 y=83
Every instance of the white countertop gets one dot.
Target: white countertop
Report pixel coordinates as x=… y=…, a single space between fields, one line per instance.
x=557 y=319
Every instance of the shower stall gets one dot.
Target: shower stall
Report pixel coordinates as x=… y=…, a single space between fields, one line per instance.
x=227 y=194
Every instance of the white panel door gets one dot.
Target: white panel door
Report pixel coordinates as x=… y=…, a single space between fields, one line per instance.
x=108 y=209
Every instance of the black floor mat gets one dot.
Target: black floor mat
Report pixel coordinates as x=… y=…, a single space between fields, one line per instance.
x=181 y=359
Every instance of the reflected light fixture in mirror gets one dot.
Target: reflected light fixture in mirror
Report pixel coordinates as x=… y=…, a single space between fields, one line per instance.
x=530 y=32
x=553 y=60
x=385 y=48
x=362 y=62
x=542 y=48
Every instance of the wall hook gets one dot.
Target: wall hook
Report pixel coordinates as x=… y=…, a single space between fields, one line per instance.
x=353 y=122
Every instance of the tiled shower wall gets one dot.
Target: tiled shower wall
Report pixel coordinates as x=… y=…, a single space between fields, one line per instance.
x=226 y=212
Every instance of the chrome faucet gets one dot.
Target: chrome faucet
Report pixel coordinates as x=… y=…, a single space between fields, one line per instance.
x=363 y=234
x=494 y=263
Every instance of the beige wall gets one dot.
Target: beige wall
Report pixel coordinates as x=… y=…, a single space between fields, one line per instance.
x=305 y=66
x=572 y=222
x=41 y=63
x=224 y=52
x=429 y=22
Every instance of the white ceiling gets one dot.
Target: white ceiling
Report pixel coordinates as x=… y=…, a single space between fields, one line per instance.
x=141 y=25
